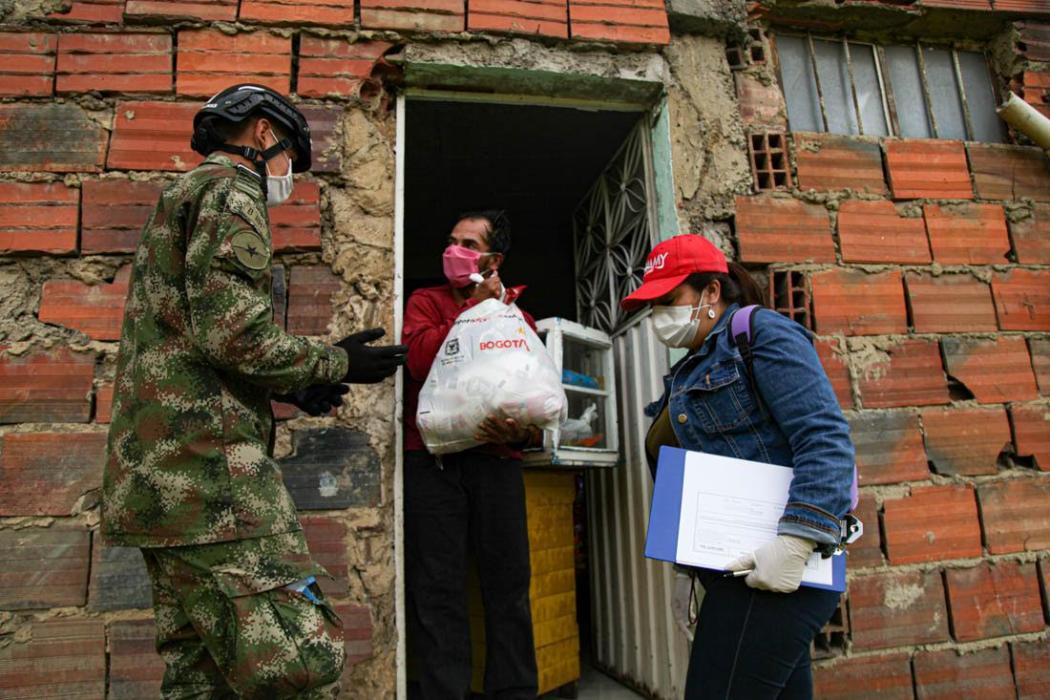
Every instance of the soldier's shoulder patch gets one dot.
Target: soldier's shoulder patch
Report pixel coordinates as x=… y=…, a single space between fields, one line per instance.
x=250 y=249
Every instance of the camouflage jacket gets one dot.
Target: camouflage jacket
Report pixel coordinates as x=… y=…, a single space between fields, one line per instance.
x=189 y=454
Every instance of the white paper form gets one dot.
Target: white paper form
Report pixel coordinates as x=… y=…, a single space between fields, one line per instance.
x=731 y=507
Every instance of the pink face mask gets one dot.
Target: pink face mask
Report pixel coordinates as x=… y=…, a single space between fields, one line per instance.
x=460 y=263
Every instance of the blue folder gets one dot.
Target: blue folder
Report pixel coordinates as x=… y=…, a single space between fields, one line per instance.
x=661 y=542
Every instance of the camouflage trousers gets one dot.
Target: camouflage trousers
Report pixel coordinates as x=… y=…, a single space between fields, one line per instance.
x=228 y=626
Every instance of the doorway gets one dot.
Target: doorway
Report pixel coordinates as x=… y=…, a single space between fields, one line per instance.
x=558 y=172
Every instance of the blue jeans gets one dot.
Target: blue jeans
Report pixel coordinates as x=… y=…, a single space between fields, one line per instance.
x=752 y=644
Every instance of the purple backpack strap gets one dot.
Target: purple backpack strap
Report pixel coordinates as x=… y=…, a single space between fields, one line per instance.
x=740 y=333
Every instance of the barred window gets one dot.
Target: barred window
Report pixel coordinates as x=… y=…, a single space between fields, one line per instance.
x=911 y=90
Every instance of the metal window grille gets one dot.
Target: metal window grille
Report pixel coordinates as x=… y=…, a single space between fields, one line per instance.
x=789 y=294
x=769 y=161
x=913 y=90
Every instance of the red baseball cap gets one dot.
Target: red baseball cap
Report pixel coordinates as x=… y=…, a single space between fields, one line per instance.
x=670 y=263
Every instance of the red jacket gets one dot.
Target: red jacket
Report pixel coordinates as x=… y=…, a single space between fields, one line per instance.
x=429 y=316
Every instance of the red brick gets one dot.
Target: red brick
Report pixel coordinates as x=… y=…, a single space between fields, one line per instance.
x=119 y=580
x=858 y=303
x=296 y=224
x=43 y=567
x=629 y=21
x=967 y=234
x=949 y=675
x=1032 y=669
x=326 y=12
x=414 y=15
x=46 y=386
x=950 y=304
x=530 y=17
x=993 y=371
x=867 y=551
x=761 y=103
x=993 y=600
x=324 y=133
x=27 y=66
x=221 y=10
x=327 y=539
x=114 y=63
x=889 y=447
x=776 y=229
x=1040 y=351
x=336 y=67
x=885 y=677
x=1009 y=172
x=310 y=291
x=96 y=310
x=875 y=232
x=1015 y=514
x=897 y=609
x=46 y=473
x=90 y=12
x=104 y=403
x=927 y=168
x=832 y=357
x=205 y=68
x=909 y=373
x=38 y=217
x=114 y=212
x=1032 y=432
x=831 y=162
x=1022 y=300
x=933 y=523
x=1031 y=236
x=135 y=667
x=965 y=440
x=62 y=659
x=153 y=136
x=50 y=137
x=357 y=635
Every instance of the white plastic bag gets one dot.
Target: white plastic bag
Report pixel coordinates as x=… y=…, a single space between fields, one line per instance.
x=491 y=363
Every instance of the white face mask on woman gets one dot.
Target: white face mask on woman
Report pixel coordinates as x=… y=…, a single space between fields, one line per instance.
x=676 y=326
x=278 y=187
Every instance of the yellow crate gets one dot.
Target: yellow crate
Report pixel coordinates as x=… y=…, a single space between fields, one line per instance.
x=552 y=591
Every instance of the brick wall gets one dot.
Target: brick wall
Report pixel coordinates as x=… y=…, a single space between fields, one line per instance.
x=926 y=277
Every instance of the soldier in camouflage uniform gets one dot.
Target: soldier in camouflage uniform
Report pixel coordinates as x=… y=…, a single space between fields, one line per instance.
x=190 y=477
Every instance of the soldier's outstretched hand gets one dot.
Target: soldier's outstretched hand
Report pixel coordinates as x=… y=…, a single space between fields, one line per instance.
x=371 y=364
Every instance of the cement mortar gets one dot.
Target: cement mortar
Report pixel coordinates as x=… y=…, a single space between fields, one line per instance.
x=708 y=144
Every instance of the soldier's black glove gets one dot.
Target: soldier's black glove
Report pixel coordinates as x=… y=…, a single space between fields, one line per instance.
x=371 y=364
x=316 y=400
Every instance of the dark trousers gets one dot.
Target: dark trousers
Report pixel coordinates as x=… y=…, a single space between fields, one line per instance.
x=755 y=644
x=477 y=501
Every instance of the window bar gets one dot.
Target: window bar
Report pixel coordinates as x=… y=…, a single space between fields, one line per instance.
x=853 y=87
x=889 y=103
x=970 y=131
x=926 y=90
x=816 y=79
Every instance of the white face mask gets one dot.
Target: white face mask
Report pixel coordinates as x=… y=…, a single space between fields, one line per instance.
x=278 y=187
x=676 y=326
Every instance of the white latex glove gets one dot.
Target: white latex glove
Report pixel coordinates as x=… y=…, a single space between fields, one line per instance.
x=777 y=565
x=682 y=603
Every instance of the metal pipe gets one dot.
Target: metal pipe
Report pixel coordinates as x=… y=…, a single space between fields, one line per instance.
x=1026 y=119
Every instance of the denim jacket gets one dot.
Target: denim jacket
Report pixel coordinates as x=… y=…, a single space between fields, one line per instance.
x=713 y=409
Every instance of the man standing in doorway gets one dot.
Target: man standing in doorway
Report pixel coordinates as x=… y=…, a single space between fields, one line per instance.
x=190 y=476
x=473 y=499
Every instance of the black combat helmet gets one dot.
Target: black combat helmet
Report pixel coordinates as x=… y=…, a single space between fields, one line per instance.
x=239 y=102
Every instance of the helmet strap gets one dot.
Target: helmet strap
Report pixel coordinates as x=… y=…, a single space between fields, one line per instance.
x=257 y=157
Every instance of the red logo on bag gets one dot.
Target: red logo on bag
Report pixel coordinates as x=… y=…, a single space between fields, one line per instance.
x=503 y=345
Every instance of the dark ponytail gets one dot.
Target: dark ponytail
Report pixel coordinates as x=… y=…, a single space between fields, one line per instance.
x=738 y=287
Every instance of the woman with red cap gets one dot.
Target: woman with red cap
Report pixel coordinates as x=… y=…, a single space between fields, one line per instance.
x=754 y=633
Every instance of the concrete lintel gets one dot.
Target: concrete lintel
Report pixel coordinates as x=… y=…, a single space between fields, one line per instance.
x=723 y=19
x=520 y=67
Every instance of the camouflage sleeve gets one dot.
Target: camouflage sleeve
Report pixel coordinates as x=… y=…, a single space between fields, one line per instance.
x=231 y=311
